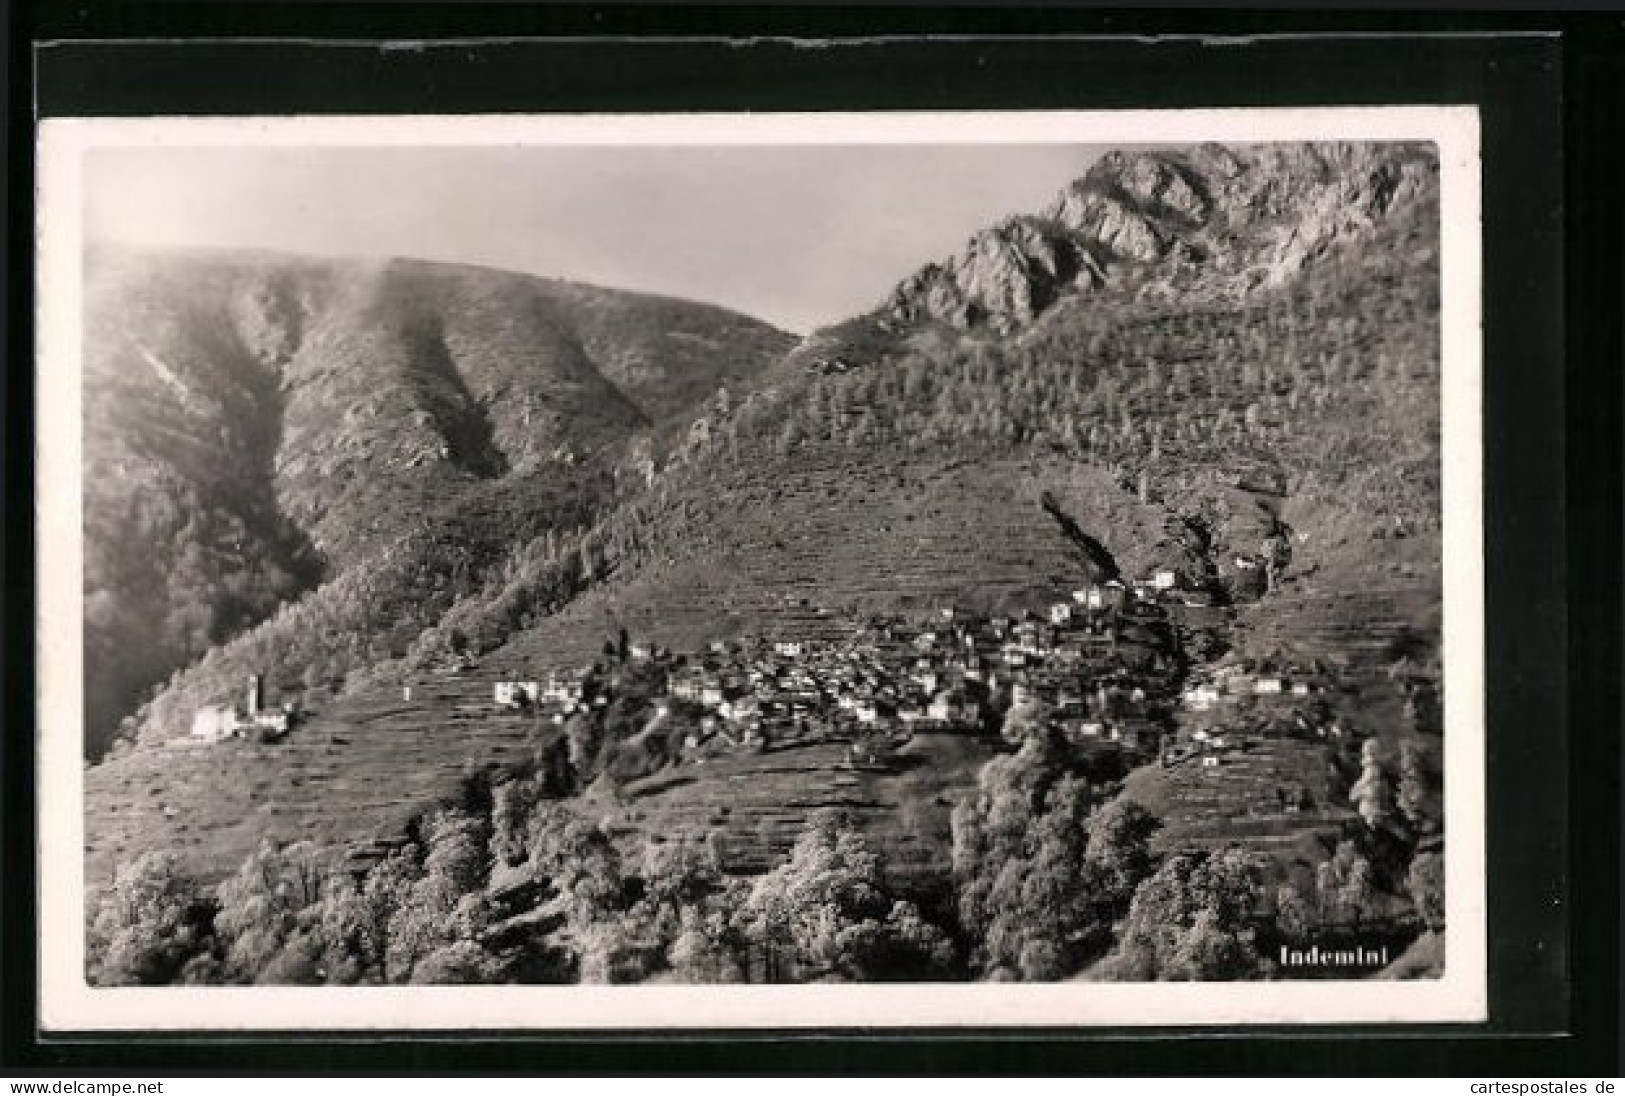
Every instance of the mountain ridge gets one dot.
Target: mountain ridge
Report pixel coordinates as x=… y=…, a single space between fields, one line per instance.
x=1177 y=208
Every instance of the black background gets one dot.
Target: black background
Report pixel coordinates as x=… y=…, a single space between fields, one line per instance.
x=1551 y=102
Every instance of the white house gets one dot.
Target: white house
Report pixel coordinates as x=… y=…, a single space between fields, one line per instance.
x=213 y=723
x=788 y=648
x=1060 y=612
x=743 y=710
x=516 y=694
x=949 y=707
x=563 y=691
x=1164 y=580
x=1201 y=697
x=273 y=723
x=1267 y=686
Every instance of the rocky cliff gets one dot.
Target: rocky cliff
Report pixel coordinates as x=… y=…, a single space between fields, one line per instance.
x=1210 y=221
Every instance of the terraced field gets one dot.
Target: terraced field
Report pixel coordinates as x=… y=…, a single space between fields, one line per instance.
x=1236 y=801
x=354 y=775
x=1362 y=633
x=759 y=802
x=825 y=542
x=801 y=549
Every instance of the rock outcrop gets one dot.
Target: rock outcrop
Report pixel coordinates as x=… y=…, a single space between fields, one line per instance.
x=1211 y=221
x=1004 y=278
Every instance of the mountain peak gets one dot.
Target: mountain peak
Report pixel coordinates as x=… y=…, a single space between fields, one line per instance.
x=1215 y=221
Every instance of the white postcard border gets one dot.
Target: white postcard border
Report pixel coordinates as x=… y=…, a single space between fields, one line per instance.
x=67 y=1003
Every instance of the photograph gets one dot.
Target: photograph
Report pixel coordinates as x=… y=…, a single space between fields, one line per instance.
x=733 y=570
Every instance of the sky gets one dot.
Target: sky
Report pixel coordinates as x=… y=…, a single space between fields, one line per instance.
x=798 y=236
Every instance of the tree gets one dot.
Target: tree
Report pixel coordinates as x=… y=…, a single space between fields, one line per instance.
x=1119 y=847
x=1023 y=720
x=1373 y=794
x=152 y=921
x=269 y=904
x=1040 y=878
x=367 y=916
x=442 y=905
x=514 y=806
x=706 y=950
x=1425 y=882
x=1414 y=782
x=686 y=911
x=1344 y=886
x=825 y=913
x=1356 y=893
x=1293 y=916
x=462 y=962
x=1191 y=921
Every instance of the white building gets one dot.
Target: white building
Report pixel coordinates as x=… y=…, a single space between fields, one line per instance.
x=563 y=691
x=516 y=694
x=214 y=723
x=1201 y=697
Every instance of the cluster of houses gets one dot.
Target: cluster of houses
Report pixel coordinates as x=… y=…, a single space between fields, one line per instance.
x=565 y=693
x=1234 y=680
x=248 y=719
x=954 y=674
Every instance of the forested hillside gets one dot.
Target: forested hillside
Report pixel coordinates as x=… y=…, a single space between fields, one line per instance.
x=259 y=425
x=1144 y=416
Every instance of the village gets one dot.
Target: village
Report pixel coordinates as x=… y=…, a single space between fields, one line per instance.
x=1102 y=671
